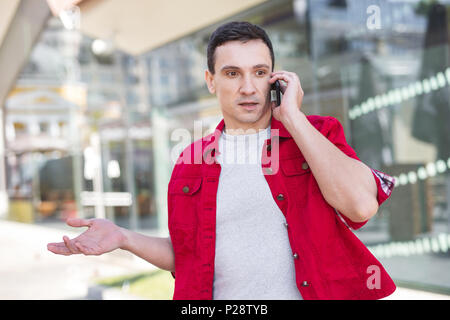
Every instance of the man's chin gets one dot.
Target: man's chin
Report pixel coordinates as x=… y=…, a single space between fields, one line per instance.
x=249 y=118
x=252 y=117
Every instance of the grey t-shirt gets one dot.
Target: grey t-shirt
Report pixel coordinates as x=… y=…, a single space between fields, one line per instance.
x=253 y=257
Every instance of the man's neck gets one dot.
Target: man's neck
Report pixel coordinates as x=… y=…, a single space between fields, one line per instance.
x=249 y=128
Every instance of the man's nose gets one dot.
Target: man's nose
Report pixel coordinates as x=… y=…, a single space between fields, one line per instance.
x=247 y=86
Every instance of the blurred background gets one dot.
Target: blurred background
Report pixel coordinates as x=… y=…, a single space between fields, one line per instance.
x=92 y=90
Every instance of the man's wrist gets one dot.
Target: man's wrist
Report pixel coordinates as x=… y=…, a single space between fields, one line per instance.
x=125 y=239
x=292 y=121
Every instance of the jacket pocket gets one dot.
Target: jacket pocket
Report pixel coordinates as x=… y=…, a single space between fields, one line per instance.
x=185 y=186
x=295 y=166
x=184 y=197
x=297 y=179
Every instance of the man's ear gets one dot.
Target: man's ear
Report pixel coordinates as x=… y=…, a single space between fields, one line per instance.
x=209 y=78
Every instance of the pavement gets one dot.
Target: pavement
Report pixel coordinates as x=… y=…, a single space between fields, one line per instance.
x=28 y=271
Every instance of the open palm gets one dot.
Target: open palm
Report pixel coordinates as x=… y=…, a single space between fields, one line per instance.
x=102 y=236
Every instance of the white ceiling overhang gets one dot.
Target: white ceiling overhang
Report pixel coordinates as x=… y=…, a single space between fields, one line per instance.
x=137 y=26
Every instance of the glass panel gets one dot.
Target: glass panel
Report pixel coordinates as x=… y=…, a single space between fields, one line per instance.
x=381 y=69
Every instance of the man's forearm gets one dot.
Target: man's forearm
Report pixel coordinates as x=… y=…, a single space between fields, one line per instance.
x=158 y=251
x=346 y=183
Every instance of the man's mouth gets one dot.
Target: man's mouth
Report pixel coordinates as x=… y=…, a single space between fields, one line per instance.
x=248 y=104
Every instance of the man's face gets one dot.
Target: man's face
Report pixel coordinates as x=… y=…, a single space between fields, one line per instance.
x=242 y=72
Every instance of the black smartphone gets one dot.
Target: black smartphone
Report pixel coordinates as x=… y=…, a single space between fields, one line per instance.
x=276 y=92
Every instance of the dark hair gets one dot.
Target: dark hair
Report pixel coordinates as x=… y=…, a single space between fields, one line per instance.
x=236 y=30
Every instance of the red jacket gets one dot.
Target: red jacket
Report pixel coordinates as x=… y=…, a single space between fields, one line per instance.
x=330 y=261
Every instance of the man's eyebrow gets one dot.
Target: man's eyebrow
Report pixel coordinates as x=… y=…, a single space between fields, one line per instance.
x=230 y=67
x=262 y=65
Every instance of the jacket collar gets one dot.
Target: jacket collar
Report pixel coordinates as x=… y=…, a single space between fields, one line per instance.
x=277 y=130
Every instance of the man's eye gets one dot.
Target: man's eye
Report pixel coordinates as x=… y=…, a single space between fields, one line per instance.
x=260 y=72
x=231 y=73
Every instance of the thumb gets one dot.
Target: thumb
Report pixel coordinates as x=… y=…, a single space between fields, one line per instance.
x=76 y=222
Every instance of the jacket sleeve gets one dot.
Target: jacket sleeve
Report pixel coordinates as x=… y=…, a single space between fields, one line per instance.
x=333 y=131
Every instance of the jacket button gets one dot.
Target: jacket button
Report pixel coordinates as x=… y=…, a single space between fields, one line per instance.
x=286 y=224
x=295 y=256
x=305 y=284
x=209 y=152
x=280 y=197
x=305 y=166
x=185 y=189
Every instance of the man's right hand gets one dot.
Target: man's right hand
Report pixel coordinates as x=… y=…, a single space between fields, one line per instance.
x=102 y=236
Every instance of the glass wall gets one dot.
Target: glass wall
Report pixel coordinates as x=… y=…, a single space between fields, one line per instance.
x=380 y=68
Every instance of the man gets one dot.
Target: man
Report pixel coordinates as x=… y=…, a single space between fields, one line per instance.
x=274 y=228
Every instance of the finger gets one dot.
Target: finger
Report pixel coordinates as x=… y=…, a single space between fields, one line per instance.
x=278 y=72
x=290 y=74
x=87 y=248
x=283 y=86
x=297 y=80
x=282 y=76
x=82 y=248
x=290 y=79
x=70 y=245
x=77 y=222
x=58 y=248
